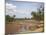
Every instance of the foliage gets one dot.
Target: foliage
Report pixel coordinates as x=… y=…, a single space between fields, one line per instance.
x=38 y=15
x=9 y=18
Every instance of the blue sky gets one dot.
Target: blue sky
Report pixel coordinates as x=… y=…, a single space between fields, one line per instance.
x=21 y=9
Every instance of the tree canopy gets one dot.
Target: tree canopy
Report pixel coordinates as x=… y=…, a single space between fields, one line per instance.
x=9 y=18
x=39 y=15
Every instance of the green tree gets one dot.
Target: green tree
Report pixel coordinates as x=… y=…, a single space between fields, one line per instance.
x=9 y=18
x=39 y=15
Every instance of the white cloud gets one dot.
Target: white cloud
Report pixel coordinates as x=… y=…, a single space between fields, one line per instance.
x=10 y=9
x=10 y=6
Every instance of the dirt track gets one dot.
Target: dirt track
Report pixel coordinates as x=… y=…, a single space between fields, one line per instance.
x=14 y=27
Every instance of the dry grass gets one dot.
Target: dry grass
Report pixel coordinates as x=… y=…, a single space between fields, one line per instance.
x=14 y=27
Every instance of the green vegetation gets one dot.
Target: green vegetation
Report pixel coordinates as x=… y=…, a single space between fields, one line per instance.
x=9 y=18
x=38 y=15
